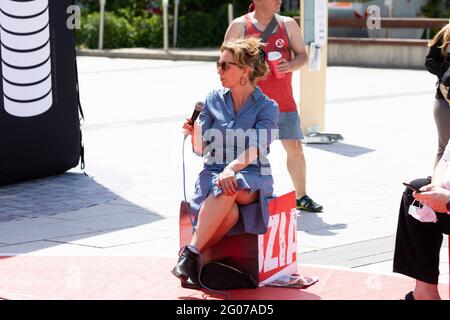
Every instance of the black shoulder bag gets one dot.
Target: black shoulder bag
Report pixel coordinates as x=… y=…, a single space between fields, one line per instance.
x=222 y=275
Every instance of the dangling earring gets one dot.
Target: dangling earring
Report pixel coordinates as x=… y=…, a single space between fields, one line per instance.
x=243 y=81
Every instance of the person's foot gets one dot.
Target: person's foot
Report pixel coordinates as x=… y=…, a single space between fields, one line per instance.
x=307 y=204
x=422 y=296
x=189 y=284
x=409 y=296
x=186 y=269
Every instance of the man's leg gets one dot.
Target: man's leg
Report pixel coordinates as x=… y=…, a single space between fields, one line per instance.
x=296 y=166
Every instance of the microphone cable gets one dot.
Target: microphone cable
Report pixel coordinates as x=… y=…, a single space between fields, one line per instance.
x=188 y=211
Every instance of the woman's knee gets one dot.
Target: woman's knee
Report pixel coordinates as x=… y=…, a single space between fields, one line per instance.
x=246 y=197
x=217 y=201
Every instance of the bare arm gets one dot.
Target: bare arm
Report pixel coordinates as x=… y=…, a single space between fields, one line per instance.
x=235 y=30
x=244 y=159
x=297 y=44
x=267 y=121
x=197 y=141
x=297 y=47
x=227 y=179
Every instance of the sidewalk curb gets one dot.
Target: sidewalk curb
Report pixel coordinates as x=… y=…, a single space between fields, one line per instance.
x=157 y=54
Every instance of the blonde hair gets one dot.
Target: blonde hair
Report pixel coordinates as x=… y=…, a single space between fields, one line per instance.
x=248 y=52
x=443 y=34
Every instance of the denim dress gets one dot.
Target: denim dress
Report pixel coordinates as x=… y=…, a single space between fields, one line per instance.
x=227 y=134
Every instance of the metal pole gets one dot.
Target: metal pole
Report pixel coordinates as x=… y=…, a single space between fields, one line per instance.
x=166 y=24
x=230 y=13
x=175 y=22
x=389 y=4
x=102 y=24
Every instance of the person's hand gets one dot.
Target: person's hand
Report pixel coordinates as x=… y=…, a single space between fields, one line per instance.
x=434 y=197
x=428 y=187
x=227 y=181
x=188 y=127
x=284 y=66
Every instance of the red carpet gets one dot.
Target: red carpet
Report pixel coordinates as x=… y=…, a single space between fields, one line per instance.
x=69 y=277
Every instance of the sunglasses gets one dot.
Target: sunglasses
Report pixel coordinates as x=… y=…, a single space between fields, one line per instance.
x=225 y=65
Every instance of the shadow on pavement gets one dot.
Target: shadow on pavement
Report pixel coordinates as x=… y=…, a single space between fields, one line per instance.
x=50 y=196
x=65 y=209
x=313 y=224
x=343 y=149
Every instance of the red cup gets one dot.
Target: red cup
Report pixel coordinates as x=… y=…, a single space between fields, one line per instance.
x=273 y=58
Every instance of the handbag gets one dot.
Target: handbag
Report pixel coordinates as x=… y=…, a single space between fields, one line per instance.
x=221 y=275
x=444 y=90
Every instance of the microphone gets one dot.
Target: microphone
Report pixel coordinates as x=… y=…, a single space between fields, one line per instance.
x=199 y=106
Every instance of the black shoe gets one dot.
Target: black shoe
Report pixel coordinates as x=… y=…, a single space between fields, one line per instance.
x=409 y=296
x=189 y=284
x=307 y=204
x=186 y=269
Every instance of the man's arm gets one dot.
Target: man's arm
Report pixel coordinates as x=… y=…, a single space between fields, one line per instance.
x=235 y=30
x=297 y=44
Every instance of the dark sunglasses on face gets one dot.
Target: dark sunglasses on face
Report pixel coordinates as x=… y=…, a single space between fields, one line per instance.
x=225 y=65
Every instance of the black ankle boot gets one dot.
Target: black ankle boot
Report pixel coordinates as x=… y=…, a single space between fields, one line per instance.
x=186 y=269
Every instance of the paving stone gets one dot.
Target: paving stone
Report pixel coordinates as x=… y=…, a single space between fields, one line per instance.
x=52 y=195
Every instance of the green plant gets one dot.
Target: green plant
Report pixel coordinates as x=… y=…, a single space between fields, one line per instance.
x=149 y=31
x=118 y=32
x=291 y=13
x=201 y=29
x=129 y=23
x=198 y=29
x=435 y=9
x=136 y=6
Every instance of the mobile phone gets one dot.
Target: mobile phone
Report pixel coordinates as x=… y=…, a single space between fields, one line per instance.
x=412 y=187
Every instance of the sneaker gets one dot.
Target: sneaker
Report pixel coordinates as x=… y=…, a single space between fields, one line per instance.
x=307 y=204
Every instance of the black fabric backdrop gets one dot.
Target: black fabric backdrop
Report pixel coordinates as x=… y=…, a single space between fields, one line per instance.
x=50 y=142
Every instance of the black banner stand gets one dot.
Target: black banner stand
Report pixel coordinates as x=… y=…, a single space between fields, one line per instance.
x=39 y=105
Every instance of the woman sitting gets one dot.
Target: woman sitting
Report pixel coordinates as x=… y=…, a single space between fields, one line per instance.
x=234 y=132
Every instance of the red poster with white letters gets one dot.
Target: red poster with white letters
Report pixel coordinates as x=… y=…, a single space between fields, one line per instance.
x=277 y=248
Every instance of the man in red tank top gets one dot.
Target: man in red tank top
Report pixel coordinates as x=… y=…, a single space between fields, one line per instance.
x=286 y=38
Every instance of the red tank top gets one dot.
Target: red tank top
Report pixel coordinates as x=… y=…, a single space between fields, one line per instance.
x=279 y=90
